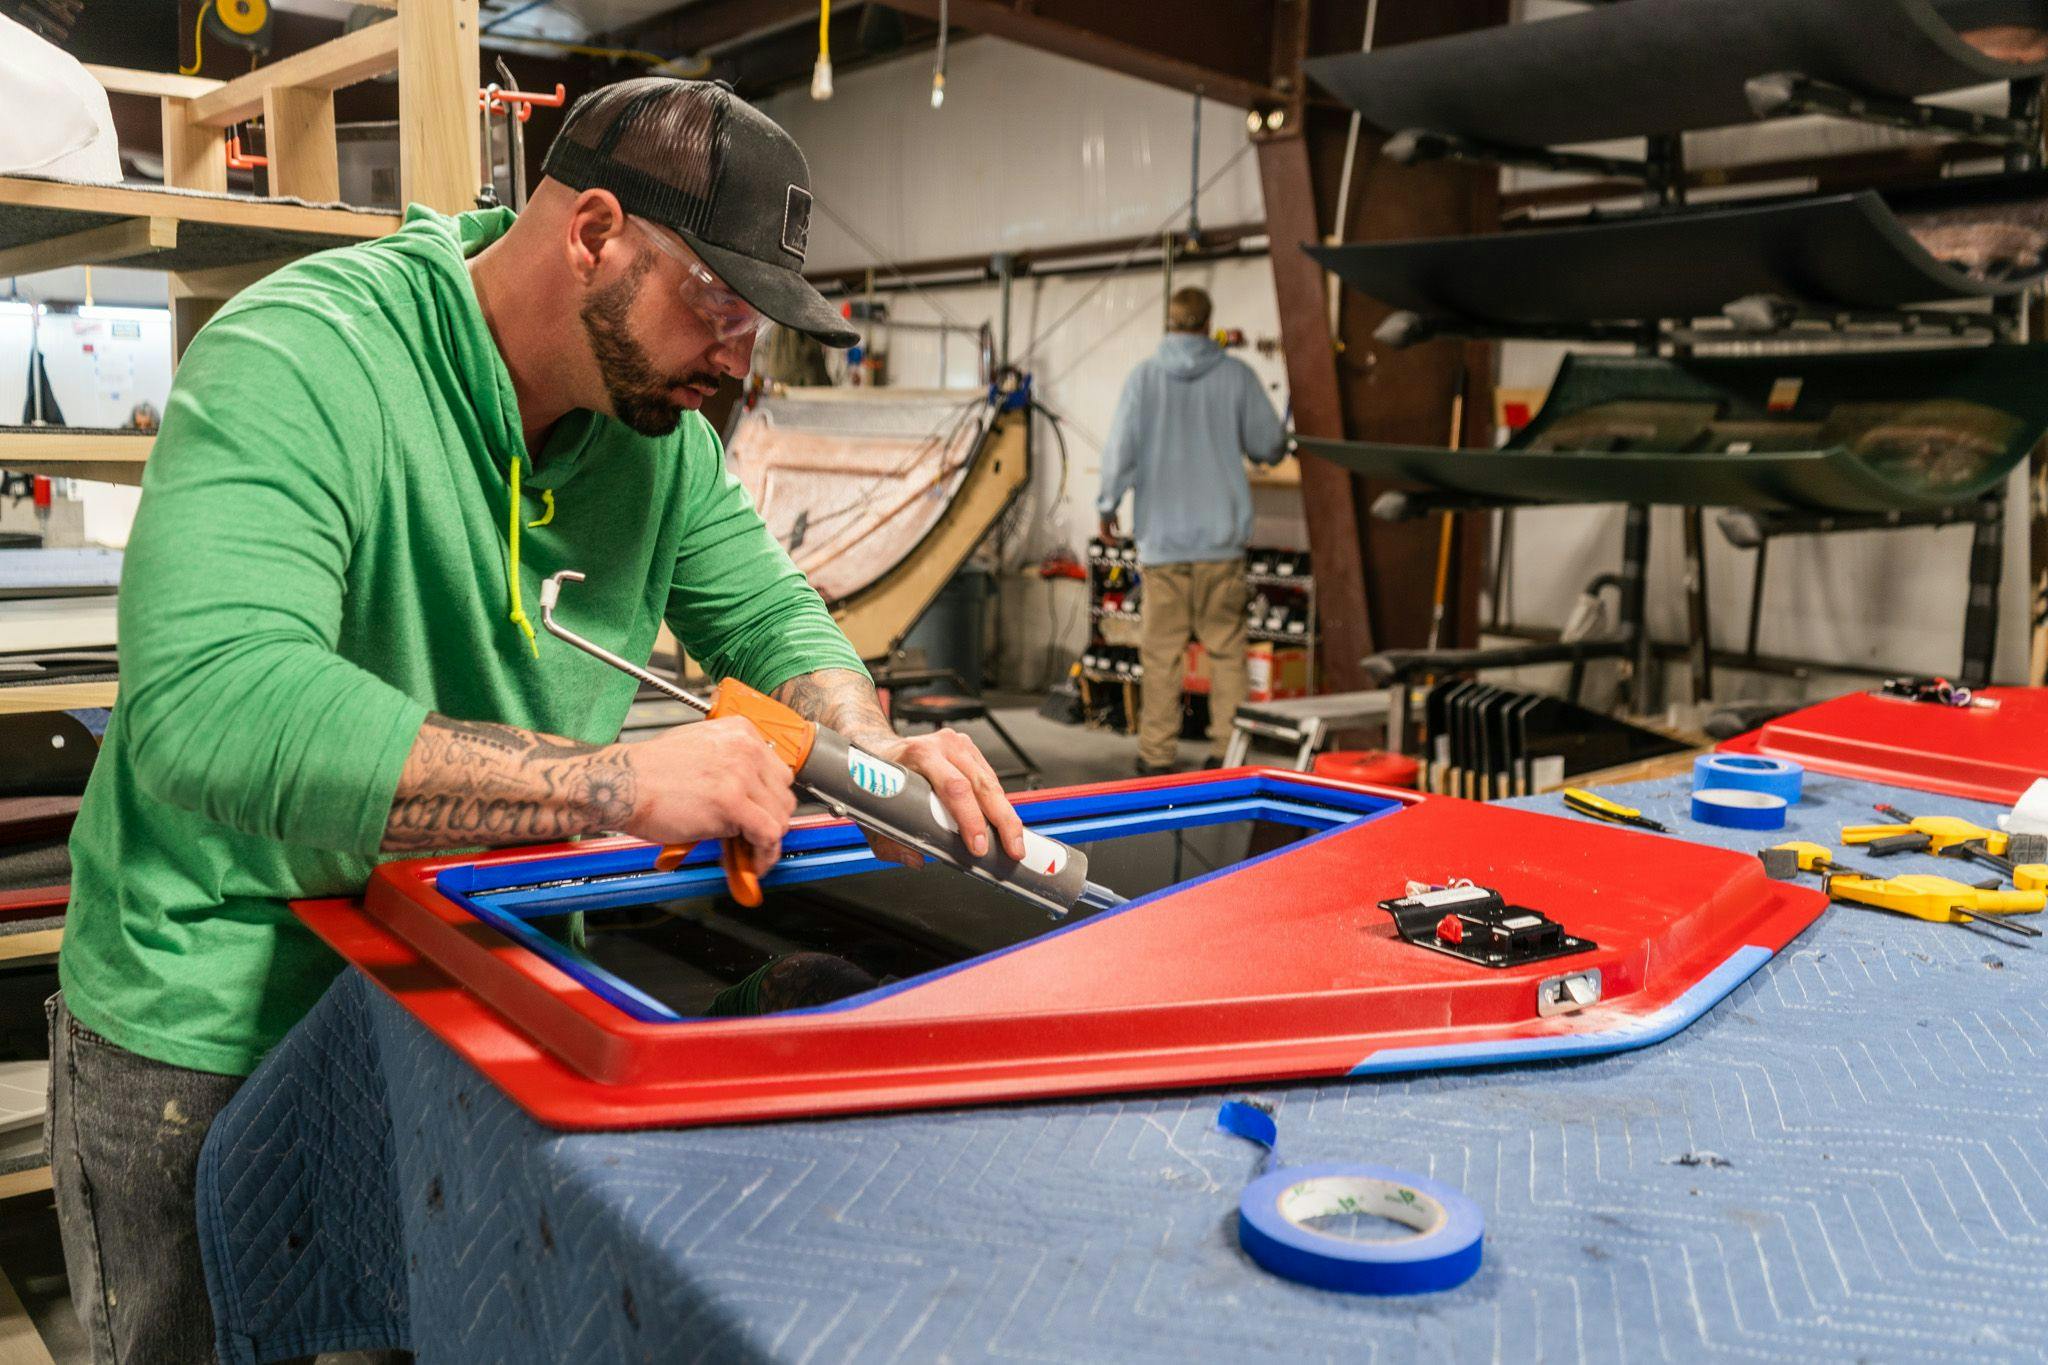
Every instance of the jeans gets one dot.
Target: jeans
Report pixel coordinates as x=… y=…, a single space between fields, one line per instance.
x=124 y=1133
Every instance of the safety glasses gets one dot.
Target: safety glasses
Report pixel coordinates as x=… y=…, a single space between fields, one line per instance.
x=729 y=316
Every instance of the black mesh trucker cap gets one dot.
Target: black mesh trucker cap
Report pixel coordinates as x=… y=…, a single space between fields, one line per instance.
x=695 y=157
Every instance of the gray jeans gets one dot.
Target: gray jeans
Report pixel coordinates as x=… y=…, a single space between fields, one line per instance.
x=123 y=1134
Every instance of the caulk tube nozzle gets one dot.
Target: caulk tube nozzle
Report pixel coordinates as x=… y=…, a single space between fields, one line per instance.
x=895 y=801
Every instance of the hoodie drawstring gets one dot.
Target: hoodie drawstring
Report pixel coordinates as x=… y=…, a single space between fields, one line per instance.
x=519 y=611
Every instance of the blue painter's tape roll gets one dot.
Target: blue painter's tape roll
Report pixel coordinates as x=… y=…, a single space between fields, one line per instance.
x=1749 y=773
x=1443 y=1253
x=1738 y=809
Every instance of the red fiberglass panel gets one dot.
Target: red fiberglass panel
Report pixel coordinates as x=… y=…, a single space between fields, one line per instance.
x=1982 y=753
x=1277 y=969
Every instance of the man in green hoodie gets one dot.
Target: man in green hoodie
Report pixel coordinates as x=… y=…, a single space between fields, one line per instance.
x=367 y=465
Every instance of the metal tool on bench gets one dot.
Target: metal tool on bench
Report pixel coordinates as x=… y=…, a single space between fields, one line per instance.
x=1934 y=691
x=2016 y=856
x=1938 y=900
x=878 y=796
x=1595 y=807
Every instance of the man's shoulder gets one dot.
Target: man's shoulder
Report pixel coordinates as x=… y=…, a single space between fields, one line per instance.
x=347 y=290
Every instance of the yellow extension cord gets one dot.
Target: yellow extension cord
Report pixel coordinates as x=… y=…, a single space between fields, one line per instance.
x=198 y=32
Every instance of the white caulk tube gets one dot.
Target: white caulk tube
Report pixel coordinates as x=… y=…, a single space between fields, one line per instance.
x=892 y=800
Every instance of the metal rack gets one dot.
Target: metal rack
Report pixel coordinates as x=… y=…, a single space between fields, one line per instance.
x=1662 y=174
x=1123 y=559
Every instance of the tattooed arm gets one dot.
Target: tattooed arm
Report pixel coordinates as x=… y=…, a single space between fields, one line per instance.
x=469 y=783
x=839 y=699
x=844 y=700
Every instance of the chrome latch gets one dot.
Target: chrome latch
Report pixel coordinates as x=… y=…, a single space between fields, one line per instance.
x=1568 y=993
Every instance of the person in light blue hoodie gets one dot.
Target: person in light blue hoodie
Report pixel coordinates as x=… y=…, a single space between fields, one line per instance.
x=1189 y=418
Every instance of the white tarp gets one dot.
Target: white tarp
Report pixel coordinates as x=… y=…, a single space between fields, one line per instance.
x=54 y=118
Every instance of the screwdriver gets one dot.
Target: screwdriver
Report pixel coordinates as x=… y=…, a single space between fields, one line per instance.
x=876 y=795
x=1582 y=802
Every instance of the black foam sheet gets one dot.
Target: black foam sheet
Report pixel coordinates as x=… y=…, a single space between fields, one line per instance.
x=1661 y=66
x=1840 y=251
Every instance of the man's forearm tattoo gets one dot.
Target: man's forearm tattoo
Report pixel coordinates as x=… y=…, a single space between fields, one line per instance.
x=468 y=783
x=839 y=699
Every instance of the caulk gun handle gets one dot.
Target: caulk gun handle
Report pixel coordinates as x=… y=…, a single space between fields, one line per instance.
x=786 y=732
x=742 y=878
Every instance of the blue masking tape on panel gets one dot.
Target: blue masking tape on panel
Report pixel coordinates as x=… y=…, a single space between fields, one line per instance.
x=1748 y=773
x=1274 y=1213
x=1738 y=809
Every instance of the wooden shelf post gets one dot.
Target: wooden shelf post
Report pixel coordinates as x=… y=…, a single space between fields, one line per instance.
x=437 y=123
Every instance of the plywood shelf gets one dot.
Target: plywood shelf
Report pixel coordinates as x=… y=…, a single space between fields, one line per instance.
x=105 y=456
x=65 y=224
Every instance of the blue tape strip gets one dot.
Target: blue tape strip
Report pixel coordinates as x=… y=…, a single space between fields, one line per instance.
x=1443 y=1254
x=1749 y=773
x=1738 y=809
x=1248 y=1121
x=1628 y=1034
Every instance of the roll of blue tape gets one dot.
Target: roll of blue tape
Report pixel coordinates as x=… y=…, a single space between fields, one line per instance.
x=1738 y=809
x=1748 y=773
x=1272 y=1220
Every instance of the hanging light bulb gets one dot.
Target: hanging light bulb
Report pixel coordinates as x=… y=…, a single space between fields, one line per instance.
x=938 y=88
x=821 y=74
x=939 y=66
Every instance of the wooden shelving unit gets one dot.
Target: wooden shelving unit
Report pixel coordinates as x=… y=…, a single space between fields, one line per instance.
x=212 y=244
x=75 y=453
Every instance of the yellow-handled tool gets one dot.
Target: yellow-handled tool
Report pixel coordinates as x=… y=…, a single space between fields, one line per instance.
x=1939 y=900
x=1949 y=836
x=1595 y=807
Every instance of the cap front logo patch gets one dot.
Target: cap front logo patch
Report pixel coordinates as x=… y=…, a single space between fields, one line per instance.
x=796 y=222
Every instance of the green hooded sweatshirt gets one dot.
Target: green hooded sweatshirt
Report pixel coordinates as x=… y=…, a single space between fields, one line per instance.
x=322 y=557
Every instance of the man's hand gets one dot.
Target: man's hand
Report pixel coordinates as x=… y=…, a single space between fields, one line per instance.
x=712 y=779
x=965 y=784
x=1108 y=528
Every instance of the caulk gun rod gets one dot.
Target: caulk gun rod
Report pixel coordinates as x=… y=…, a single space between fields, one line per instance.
x=551 y=589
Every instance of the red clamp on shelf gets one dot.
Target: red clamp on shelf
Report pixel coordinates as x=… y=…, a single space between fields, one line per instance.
x=1451 y=929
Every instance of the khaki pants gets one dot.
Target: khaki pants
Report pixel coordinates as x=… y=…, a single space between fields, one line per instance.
x=1204 y=602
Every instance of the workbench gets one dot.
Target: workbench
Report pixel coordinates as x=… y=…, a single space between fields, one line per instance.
x=1842 y=1160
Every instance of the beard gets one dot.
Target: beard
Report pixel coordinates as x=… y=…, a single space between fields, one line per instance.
x=641 y=397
